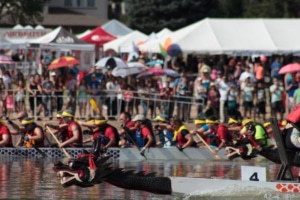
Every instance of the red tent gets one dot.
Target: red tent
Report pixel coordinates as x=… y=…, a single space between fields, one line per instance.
x=98 y=36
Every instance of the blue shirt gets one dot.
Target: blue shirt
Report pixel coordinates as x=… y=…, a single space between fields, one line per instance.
x=94 y=86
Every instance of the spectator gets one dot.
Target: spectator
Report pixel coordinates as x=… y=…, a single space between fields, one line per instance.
x=296 y=96
x=47 y=88
x=3 y=96
x=34 y=89
x=290 y=86
x=260 y=97
x=223 y=87
x=128 y=99
x=275 y=67
x=19 y=93
x=213 y=99
x=143 y=95
x=166 y=95
x=276 y=90
x=59 y=91
x=111 y=97
x=248 y=97
x=71 y=87
x=82 y=98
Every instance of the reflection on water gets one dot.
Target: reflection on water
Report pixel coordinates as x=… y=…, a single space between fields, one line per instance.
x=26 y=178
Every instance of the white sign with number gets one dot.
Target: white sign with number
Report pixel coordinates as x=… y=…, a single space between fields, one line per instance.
x=251 y=173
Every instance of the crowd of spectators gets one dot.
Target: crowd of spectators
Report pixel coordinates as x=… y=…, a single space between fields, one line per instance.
x=220 y=86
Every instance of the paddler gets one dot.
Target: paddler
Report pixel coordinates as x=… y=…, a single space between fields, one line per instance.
x=164 y=130
x=33 y=133
x=103 y=133
x=61 y=129
x=221 y=133
x=201 y=129
x=5 y=136
x=182 y=135
x=74 y=137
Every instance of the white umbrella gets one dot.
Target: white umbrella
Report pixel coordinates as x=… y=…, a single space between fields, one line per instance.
x=110 y=62
x=127 y=71
x=171 y=72
x=135 y=64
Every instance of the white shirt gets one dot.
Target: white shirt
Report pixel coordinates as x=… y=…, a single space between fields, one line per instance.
x=223 y=90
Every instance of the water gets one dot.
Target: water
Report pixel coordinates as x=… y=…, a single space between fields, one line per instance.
x=34 y=179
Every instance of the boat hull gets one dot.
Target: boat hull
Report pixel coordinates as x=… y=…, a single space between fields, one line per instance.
x=122 y=154
x=185 y=185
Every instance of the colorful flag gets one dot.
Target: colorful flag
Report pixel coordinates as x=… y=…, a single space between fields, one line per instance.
x=162 y=51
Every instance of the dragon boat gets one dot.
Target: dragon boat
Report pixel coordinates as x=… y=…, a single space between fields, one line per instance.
x=122 y=154
x=88 y=169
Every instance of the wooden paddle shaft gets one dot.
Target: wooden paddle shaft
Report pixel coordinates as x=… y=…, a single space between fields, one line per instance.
x=57 y=141
x=209 y=148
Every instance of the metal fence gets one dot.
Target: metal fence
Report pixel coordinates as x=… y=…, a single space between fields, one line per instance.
x=111 y=105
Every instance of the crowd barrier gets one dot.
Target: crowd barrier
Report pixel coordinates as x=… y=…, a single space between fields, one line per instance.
x=111 y=105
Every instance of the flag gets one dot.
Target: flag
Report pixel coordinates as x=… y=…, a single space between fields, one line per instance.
x=162 y=51
x=135 y=48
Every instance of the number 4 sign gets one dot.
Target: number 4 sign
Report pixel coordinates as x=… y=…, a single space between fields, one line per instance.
x=251 y=173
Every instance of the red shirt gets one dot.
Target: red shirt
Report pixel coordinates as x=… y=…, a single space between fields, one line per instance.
x=5 y=131
x=70 y=133
x=223 y=133
x=145 y=131
x=109 y=133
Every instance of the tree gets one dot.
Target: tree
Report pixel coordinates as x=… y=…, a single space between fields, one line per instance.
x=154 y=15
x=22 y=11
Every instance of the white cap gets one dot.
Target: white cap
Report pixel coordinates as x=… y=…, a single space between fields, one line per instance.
x=52 y=73
x=138 y=118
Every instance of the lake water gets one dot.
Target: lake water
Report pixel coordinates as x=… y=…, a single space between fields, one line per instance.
x=34 y=179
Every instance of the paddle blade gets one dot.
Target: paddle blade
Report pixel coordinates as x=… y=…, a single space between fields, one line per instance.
x=95 y=106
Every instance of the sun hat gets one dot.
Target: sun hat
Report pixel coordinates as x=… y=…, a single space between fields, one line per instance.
x=138 y=118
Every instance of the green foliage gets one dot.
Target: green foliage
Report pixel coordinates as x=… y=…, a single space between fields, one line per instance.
x=22 y=11
x=153 y=15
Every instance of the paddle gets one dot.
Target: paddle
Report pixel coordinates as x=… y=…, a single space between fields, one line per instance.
x=31 y=143
x=209 y=148
x=57 y=141
x=95 y=106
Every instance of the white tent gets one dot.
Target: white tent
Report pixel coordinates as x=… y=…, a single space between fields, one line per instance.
x=61 y=38
x=235 y=36
x=126 y=43
x=116 y=28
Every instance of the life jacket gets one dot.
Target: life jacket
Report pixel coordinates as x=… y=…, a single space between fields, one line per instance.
x=32 y=133
x=179 y=137
x=70 y=133
x=251 y=134
x=100 y=135
x=294 y=115
x=166 y=137
x=178 y=131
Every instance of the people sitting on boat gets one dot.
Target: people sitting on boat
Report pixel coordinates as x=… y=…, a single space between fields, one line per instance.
x=127 y=131
x=60 y=129
x=255 y=133
x=75 y=136
x=164 y=130
x=16 y=129
x=234 y=128
x=103 y=133
x=182 y=135
x=220 y=132
x=144 y=135
x=201 y=129
x=34 y=134
x=291 y=133
x=5 y=136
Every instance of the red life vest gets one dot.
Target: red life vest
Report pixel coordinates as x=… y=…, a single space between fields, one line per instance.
x=294 y=115
x=70 y=132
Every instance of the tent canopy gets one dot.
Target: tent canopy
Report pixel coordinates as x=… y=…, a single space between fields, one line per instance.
x=116 y=28
x=61 y=38
x=126 y=43
x=98 y=36
x=235 y=36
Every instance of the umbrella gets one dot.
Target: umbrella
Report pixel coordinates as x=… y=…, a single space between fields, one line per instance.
x=63 y=62
x=171 y=72
x=173 y=50
x=289 y=68
x=126 y=71
x=110 y=62
x=155 y=62
x=152 y=72
x=6 y=60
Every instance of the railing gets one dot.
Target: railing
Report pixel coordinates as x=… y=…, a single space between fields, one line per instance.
x=114 y=105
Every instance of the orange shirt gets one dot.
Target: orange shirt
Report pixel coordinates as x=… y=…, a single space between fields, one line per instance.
x=259 y=72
